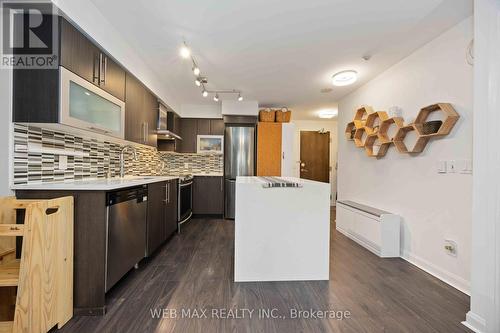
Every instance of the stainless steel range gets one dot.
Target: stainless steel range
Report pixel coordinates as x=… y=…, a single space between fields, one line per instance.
x=185 y=200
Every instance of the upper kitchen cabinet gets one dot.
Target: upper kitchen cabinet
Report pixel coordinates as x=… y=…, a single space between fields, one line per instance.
x=190 y=128
x=82 y=57
x=216 y=127
x=141 y=113
x=188 y=132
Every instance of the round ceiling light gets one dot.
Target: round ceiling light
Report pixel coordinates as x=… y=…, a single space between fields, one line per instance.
x=344 y=78
x=327 y=114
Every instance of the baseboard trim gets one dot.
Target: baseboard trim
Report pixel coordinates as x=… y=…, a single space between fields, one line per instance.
x=474 y=322
x=445 y=276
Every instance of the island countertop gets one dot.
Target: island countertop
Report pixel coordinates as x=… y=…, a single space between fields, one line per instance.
x=281 y=233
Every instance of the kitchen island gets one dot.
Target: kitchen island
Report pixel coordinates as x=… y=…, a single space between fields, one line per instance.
x=282 y=233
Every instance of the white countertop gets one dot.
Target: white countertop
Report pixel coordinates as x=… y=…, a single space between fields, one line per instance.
x=100 y=184
x=258 y=180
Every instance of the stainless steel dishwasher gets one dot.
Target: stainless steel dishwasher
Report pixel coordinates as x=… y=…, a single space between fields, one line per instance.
x=125 y=231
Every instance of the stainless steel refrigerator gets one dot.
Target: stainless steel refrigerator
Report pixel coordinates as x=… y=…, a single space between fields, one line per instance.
x=239 y=160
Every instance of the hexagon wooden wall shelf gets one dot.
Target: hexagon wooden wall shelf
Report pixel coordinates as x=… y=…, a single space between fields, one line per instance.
x=360 y=136
x=367 y=135
x=385 y=126
x=348 y=131
x=451 y=118
x=371 y=142
x=374 y=119
x=399 y=140
x=361 y=115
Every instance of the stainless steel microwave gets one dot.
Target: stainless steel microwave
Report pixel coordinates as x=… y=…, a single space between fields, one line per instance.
x=86 y=106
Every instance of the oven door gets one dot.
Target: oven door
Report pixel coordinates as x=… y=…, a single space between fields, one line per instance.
x=185 y=201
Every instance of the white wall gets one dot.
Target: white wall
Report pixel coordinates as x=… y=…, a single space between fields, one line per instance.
x=484 y=314
x=434 y=206
x=201 y=111
x=316 y=125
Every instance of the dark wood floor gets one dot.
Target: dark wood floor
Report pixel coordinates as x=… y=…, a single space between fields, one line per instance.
x=195 y=270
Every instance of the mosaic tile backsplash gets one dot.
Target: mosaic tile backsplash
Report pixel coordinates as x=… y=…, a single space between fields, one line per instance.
x=39 y=156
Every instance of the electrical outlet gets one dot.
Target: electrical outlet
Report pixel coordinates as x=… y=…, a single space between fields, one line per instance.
x=63 y=162
x=452 y=166
x=450 y=247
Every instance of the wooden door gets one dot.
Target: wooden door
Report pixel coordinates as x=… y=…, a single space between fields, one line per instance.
x=268 y=149
x=315 y=156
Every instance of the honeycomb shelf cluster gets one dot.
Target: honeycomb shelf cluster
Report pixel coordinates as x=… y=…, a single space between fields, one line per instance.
x=376 y=132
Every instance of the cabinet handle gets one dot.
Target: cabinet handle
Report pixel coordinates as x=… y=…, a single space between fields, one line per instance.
x=104 y=64
x=144 y=136
x=98 y=130
x=96 y=69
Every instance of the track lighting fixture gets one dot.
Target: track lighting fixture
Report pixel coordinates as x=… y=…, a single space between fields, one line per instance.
x=185 y=52
x=201 y=81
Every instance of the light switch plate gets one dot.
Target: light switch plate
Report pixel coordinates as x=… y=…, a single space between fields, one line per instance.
x=452 y=166
x=441 y=166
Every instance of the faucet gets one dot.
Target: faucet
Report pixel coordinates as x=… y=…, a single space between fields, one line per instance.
x=122 y=158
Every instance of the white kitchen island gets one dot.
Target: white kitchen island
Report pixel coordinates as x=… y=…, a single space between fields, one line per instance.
x=282 y=233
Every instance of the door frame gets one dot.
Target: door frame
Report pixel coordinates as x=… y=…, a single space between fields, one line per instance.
x=485 y=250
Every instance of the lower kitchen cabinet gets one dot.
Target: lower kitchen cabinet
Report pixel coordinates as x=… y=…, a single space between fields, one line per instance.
x=171 y=208
x=208 y=195
x=162 y=214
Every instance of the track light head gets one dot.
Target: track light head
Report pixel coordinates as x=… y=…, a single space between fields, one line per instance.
x=197 y=82
x=204 y=93
x=196 y=71
x=240 y=98
x=185 y=52
x=216 y=97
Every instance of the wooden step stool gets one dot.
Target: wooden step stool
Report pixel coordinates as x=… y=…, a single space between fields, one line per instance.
x=36 y=291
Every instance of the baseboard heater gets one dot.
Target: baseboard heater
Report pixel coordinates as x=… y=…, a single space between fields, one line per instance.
x=372 y=228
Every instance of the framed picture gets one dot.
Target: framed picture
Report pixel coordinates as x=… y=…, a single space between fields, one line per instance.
x=210 y=144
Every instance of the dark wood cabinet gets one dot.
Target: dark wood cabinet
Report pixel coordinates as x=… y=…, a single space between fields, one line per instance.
x=134 y=118
x=208 y=195
x=84 y=58
x=171 y=208
x=188 y=132
x=141 y=113
x=216 y=127
x=162 y=213
x=190 y=128
x=78 y=53
x=203 y=126
x=156 y=216
x=150 y=110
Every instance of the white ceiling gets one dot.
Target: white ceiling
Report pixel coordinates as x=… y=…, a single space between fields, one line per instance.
x=280 y=53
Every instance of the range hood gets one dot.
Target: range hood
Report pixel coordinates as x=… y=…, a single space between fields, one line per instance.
x=166 y=124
